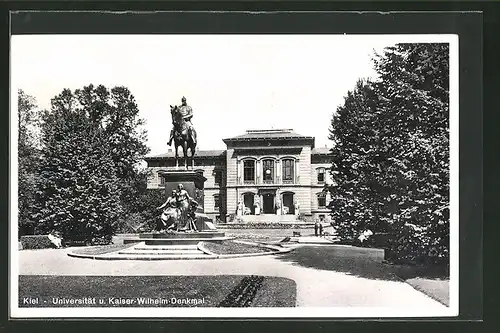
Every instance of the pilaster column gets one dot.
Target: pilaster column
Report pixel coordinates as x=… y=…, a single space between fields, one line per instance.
x=258 y=166
x=278 y=171
x=238 y=172
x=296 y=171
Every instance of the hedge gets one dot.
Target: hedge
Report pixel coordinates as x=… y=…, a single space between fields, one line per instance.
x=377 y=240
x=36 y=242
x=265 y=225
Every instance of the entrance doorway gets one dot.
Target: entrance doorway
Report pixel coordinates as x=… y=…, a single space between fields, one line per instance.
x=268 y=203
x=288 y=202
x=248 y=202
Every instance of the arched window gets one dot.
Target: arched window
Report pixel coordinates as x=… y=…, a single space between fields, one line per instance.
x=249 y=171
x=288 y=170
x=162 y=179
x=268 y=171
x=321 y=200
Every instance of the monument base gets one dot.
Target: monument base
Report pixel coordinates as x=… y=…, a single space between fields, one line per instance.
x=178 y=244
x=193 y=182
x=178 y=238
x=171 y=245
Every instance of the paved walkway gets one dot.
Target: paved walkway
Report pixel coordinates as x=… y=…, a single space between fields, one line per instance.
x=315 y=288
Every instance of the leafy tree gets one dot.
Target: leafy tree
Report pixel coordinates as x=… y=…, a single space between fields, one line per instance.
x=28 y=154
x=402 y=182
x=77 y=192
x=95 y=135
x=116 y=112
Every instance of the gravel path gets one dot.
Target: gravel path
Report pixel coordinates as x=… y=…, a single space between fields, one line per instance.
x=315 y=287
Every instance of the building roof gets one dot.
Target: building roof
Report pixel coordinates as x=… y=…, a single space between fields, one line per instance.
x=321 y=151
x=270 y=134
x=199 y=153
x=250 y=135
x=221 y=153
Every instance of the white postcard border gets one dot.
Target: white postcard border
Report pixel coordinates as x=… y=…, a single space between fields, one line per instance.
x=299 y=312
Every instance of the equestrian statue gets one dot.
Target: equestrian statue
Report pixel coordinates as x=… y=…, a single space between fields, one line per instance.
x=183 y=133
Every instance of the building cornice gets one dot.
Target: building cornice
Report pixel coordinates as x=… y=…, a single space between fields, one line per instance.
x=274 y=186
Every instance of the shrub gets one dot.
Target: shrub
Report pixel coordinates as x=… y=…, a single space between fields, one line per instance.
x=36 y=242
x=302 y=217
x=267 y=225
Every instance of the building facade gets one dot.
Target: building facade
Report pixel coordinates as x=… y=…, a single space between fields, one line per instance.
x=263 y=175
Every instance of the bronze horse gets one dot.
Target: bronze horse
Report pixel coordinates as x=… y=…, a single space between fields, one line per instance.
x=184 y=136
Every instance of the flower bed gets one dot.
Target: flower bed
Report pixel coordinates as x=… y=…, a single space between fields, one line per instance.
x=244 y=293
x=255 y=237
x=265 y=225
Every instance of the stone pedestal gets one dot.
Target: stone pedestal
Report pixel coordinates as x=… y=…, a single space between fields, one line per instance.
x=193 y=182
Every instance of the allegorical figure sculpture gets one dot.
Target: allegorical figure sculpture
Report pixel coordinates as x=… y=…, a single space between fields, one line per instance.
x=278 y=206
x=170 y=214
x=183 y=133
x=256 y=204
x=187 y=207
x=297 y=208
x=179 y=211
x=239 y=208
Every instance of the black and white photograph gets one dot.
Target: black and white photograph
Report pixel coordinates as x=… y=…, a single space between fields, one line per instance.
x=248 y=176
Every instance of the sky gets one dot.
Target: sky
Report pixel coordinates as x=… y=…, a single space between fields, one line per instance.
x=232 y=82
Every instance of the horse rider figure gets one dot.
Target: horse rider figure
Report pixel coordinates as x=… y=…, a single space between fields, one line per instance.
x=185 y=113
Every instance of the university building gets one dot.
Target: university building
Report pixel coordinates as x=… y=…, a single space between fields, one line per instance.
x=263 y=175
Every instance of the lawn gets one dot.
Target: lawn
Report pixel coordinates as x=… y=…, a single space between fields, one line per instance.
x=155 y=291
x=434 y=288
x=102 y=249
x=432 y=281
x=276 y=292
x=339 y=259
x=234 y=248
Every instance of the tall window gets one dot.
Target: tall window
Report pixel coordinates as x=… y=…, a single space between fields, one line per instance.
x=268 y=171
x=322 y=200
x=162 y=180
x=216 y=202
x=321 y=175
x=218 y=177
x=249 y=171
x=288 y=170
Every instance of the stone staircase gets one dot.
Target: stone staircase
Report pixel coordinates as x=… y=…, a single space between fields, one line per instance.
x=141 y=251
x=164 y=246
